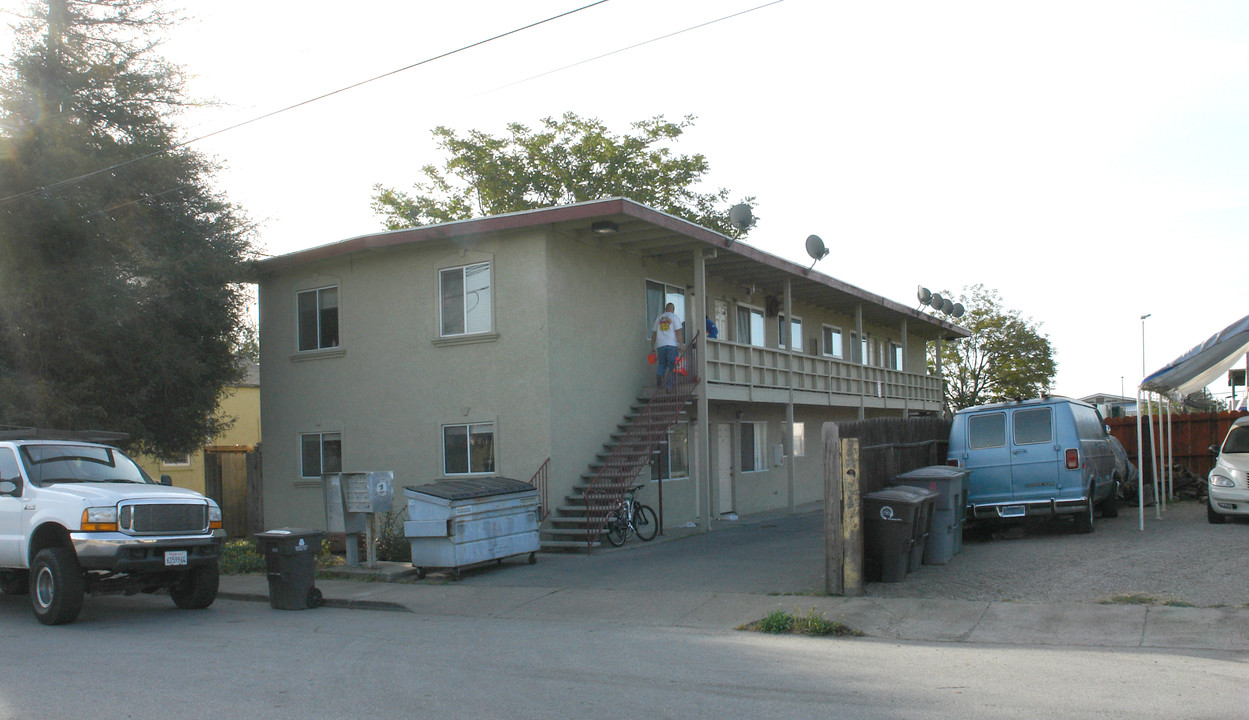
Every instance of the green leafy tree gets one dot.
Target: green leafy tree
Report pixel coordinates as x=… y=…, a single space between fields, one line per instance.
x=1006 y=358
x=119 y=265
x=566 y=160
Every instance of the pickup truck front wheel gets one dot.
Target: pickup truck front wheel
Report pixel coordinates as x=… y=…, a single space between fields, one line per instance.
x=56 y=586
x=198 y=589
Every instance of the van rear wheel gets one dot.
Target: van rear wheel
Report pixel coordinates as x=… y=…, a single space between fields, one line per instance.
x=1110 y=506
x=1084 y=521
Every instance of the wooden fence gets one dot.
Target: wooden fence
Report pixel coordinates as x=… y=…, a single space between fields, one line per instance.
x=889 y=447
x=1192 y=436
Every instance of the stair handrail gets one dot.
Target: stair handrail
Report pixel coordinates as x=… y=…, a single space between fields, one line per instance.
x=645 y=433
x=540 y=482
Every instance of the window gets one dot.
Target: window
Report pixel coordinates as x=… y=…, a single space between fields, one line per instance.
x=895 y=356
x=800 y=439
x=795 y=331
x=176 y=461
x=322 y=453
x=318 y=319
x=986 y=431
x=8 y=466
x=658 y=295
x=468 y=449
x=1033 y=426
x=858 y=347
x=672 y=461
x=832 y=342
x=754 y=446
x=465 y=300
x=750 y=327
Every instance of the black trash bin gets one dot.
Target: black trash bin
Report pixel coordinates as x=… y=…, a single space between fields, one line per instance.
x=894 y=523
x=291 y=564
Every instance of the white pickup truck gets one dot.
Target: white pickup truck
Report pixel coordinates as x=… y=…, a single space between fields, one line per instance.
x=80 y=517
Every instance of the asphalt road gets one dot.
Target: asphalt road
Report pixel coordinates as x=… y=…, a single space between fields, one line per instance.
x=139 y=657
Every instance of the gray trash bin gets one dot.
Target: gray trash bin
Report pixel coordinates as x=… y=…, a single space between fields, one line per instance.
x=894 y=522
x=945 y=539
x=291 y=564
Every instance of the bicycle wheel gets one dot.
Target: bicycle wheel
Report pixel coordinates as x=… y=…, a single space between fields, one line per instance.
x=644 y=522
x=616 y=529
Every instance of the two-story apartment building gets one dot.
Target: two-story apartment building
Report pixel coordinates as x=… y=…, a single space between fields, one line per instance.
x=500 y=345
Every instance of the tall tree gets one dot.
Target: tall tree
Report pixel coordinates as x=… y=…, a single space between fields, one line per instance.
x=119 y=265
x=567 y=160
x=1006 y=358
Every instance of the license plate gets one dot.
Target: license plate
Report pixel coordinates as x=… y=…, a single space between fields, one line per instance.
x=1011 y=511
x=175 y=557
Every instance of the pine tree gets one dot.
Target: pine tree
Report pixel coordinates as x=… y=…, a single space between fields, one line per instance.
x=119 y=264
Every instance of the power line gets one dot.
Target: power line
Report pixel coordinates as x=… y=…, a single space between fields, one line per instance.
x=631 y=47
x=185 y=143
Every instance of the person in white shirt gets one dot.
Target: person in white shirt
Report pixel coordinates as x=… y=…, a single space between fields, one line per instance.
x=666 y=338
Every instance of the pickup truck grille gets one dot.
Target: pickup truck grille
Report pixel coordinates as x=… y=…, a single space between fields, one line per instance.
x=165 y=518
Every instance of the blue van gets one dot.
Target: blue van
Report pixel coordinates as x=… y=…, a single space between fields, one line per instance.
x=1044 y=457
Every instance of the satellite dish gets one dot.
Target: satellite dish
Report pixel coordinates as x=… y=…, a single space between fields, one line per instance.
x=924 y=294
x=947 y=306
x=958 y=310
x=936 y=301
x=741 y=217
x=815 y=247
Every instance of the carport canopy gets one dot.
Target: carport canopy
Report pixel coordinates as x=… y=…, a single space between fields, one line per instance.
x=1199 y=367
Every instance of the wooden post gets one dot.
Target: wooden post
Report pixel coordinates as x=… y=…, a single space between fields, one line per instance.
x=851 y=523
x=843 y=529
x=833 y=582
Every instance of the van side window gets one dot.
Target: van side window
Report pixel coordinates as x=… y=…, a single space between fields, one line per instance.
x=1033 y=426
x=986 y=431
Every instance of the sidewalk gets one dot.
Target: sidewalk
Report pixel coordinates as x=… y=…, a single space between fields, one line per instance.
x=922 y=620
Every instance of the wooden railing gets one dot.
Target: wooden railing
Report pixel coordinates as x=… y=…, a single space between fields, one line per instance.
x=747 y=365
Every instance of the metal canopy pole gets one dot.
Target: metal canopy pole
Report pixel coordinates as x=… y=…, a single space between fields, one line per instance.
x=1140 y=463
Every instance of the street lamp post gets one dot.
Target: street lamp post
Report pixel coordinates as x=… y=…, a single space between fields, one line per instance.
x=1143 y=317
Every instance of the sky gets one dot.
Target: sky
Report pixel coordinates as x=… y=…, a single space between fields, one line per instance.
x=1085 y=159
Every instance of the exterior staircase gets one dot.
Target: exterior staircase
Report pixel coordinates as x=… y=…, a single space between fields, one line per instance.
x=575 y=523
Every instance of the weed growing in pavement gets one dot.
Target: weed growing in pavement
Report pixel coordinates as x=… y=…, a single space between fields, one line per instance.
x=779 y=622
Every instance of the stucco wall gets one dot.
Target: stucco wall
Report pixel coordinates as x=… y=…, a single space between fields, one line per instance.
x=393 y=384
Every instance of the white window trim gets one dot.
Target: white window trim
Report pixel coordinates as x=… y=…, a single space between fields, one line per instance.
x=763 y=342
x=321 y=445
x=780 y=317
x=489 y=334
x=824 y=350
x=760 y=430
x=319 y=351
x=442 y=440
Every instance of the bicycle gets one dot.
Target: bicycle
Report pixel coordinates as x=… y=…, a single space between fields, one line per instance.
x=631 y=517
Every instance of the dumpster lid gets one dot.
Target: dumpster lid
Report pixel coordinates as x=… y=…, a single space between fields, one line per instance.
x=471 y=488
x=901 y=494
x=934 y=472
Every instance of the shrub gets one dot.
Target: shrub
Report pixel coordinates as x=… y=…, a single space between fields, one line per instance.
x=239 y=557
x=777 y=621
x=390 y=542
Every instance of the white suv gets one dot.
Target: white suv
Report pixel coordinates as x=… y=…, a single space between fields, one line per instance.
x=1229 y=480
x=80 y=517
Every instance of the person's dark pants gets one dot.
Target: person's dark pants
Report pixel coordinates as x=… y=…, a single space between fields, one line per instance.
x=666 y=359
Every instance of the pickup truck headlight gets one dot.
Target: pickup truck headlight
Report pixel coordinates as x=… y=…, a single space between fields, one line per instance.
x=1220 y=481
x=99 y=519
x=214 y=517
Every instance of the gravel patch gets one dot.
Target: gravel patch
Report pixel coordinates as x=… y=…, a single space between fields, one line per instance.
x=1179 y=559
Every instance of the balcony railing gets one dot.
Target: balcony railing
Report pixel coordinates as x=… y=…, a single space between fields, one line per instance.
x=835 y=382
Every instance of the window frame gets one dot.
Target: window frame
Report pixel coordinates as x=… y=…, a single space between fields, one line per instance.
x=752 y=312
x=897 y=359
x=468 y=448
x=759 y=439
x=464 y=305
x=826 y=336
x=321 y=454
x=319 y=330
x=782 y=340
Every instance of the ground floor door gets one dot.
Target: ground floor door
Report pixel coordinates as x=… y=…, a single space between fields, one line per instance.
x=724 y=466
